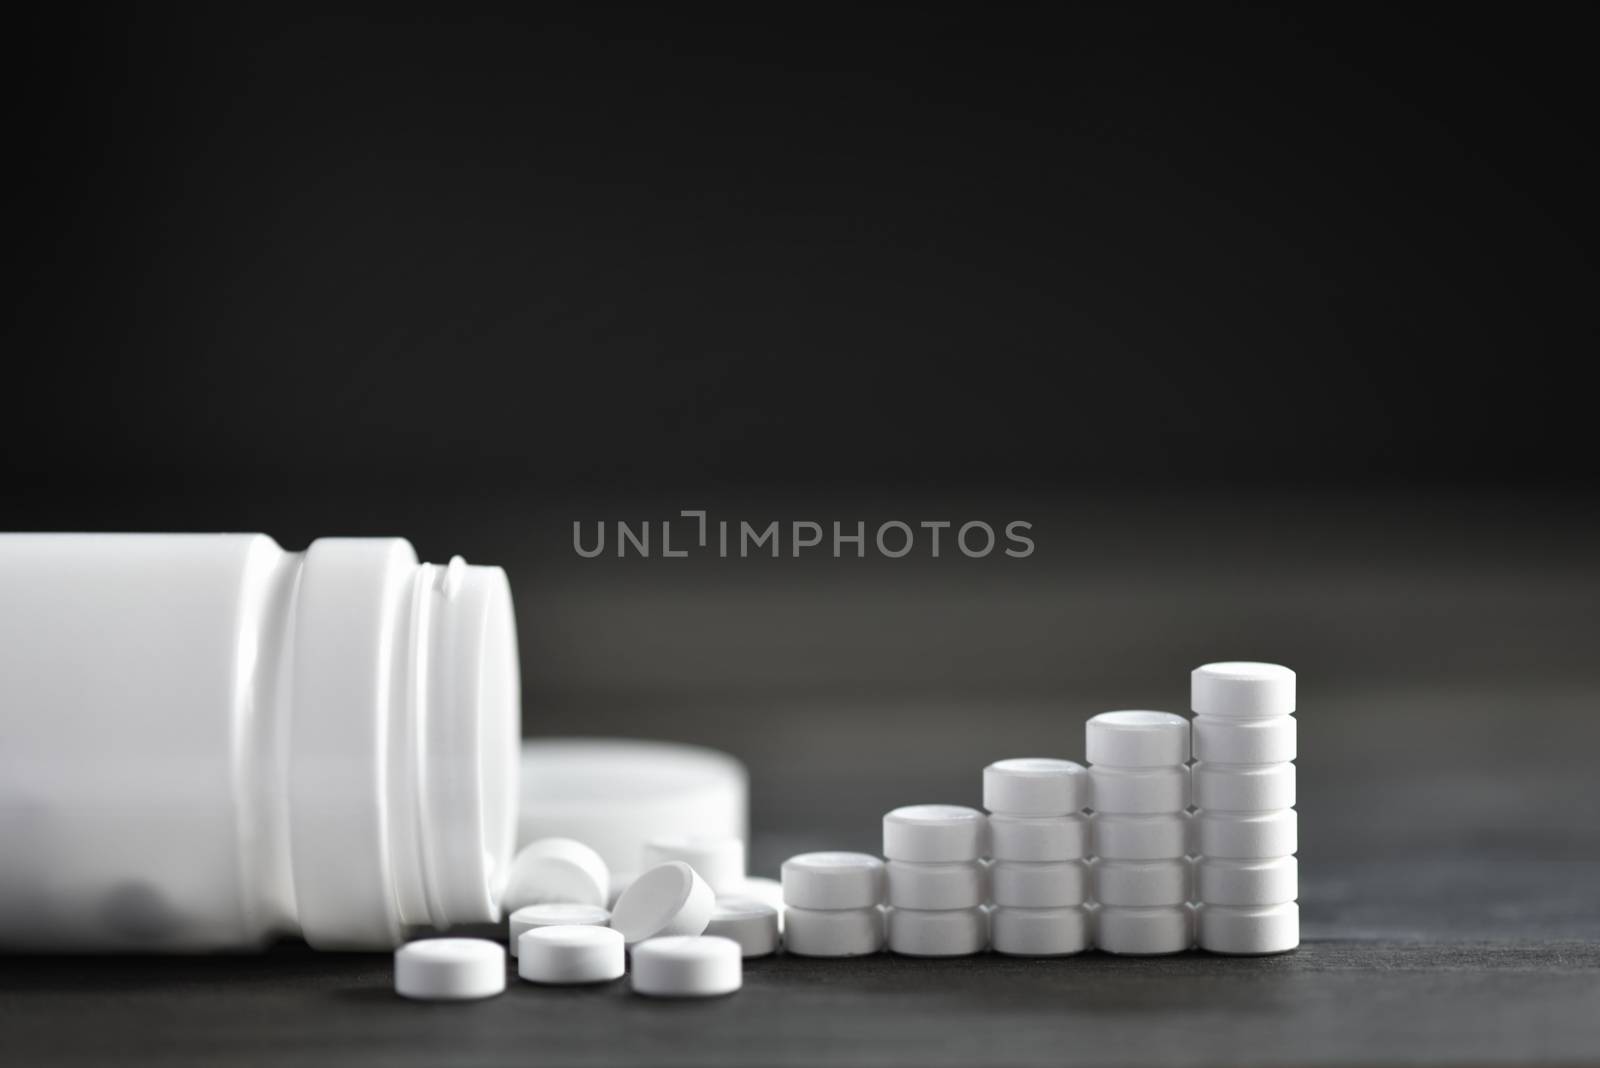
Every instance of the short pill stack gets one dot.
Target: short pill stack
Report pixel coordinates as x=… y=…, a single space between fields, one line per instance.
x=1039 y=839
x=935 y=880
x=1247 y=878
x=1138 y=762
x=832 y=904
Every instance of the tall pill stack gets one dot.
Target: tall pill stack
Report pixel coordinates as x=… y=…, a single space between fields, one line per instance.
x=1247 y=878
x=1039 y=839
x=935 y=880
x=1138 y=763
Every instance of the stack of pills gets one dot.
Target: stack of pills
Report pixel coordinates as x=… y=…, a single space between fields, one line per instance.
x=1039 y=840
x=1247 y=879
x=832 y=904
x=935 y=880
x=1139 y=765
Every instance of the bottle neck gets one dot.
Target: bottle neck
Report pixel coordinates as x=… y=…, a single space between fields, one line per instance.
x=402 y=714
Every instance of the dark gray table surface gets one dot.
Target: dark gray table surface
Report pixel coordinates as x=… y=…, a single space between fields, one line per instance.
x=1450 y=851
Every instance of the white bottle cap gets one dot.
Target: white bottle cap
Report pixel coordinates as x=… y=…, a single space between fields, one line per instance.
x=1141 y=837
x=832 y=932
x=687 y=967
x=833 y=881
x=449 y=969
x=556 y=870
x=669 y=899
x=1141 y=883
x=1243 y=787
x=1039 y=932
x=618 y=793
x=1248 y=835
x=1036 y=839
x=1249 y=931
x=942 y=933
x=572 y=954
x=936 y=886
x=1274 y=881
x=1063 y=884
x=1137 y=739
x=1144 y=932
x=530 y=917
x=1244 y=741
x=1140 y=791
x=1242 y=690
x=751 y=923
x=719 y=859
x=932 y=834
x=1035 y=786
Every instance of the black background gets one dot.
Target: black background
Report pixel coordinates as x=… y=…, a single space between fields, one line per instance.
x=1275 y=324
x=636 y=247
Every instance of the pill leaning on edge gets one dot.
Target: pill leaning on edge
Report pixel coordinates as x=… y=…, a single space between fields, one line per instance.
x=554 y=870
x=449 y=969
x=669 y=899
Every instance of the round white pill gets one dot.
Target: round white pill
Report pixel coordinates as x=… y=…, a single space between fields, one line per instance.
x=1143 y=932
x=669 y=899
x=687 y=967
x=531 y=916
x=936 y=886
x=718 y=859
x=574 y=954
x=1039 y=886
x=1247 y=835
x=1274 y=881
x=751 y=923
x=1039 y=932
x=1245 y=741
x=832 y=932
x=1243 y=787
x=833 y=881
x=1249 y=931
x=449 y=969
x=1141 y=883
x=941 y=933
x=1140 y=791
x=1141 y=837
x=1137 y=739
x=1035 y=786
x=553 y=870
x=1038 y=838
x=1242 y=690
x=932 y=834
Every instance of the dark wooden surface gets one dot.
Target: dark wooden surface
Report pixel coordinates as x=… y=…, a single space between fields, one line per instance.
x=1355 y=992
x=1450 y=851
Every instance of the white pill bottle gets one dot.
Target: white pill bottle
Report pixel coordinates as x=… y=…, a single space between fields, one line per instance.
x=207 y=742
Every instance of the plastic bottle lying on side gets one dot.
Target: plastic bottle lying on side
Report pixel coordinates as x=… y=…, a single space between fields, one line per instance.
x=207 y=742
